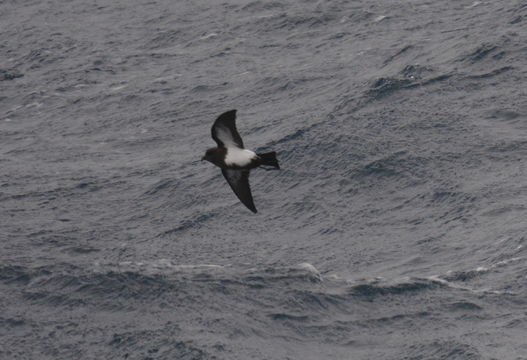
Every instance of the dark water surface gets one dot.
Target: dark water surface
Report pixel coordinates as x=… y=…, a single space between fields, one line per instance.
x=397 y=228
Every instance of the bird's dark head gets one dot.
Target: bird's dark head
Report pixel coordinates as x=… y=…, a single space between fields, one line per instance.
x=210 y=155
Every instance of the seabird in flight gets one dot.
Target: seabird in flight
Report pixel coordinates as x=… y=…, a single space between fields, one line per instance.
x=234 y=160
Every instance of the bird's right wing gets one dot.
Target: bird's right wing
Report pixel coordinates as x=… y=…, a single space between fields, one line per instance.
x=239 y=182
x=224 y=131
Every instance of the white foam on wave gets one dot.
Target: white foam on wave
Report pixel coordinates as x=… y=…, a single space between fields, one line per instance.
x=452 y=285
x=117 y=88
x=168 y=264
x=499 y=264
x=163 y=78
x=310 y=269
x=159 y=266
x=34 y=104
x=208 y=36
x=508 y=261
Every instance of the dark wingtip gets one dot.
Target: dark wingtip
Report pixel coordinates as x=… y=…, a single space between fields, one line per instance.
x=229 y=113
x=251 y=207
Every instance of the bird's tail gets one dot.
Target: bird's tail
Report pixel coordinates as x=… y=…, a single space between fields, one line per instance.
x=269 y=159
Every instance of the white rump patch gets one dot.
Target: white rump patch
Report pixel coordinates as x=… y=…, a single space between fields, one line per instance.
x=239 y=157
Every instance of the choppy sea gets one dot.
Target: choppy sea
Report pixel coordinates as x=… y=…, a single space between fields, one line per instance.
x=396 y=229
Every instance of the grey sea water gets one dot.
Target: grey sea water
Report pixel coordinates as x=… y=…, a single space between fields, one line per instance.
x=396 y=228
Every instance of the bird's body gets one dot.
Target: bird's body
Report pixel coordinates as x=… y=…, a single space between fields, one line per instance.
x=239 y=157
x=234 y=160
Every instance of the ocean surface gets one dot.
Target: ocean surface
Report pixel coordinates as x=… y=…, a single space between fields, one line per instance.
x=396 y=229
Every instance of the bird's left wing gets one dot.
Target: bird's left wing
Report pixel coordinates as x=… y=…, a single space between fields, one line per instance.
x=239 y=182
x=224 y=130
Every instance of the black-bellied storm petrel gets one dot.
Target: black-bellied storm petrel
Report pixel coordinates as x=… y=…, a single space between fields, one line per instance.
x=235 y=161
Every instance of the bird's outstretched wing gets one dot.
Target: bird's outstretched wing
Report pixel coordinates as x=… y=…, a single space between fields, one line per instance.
x=224 y=130
x=239 y=182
